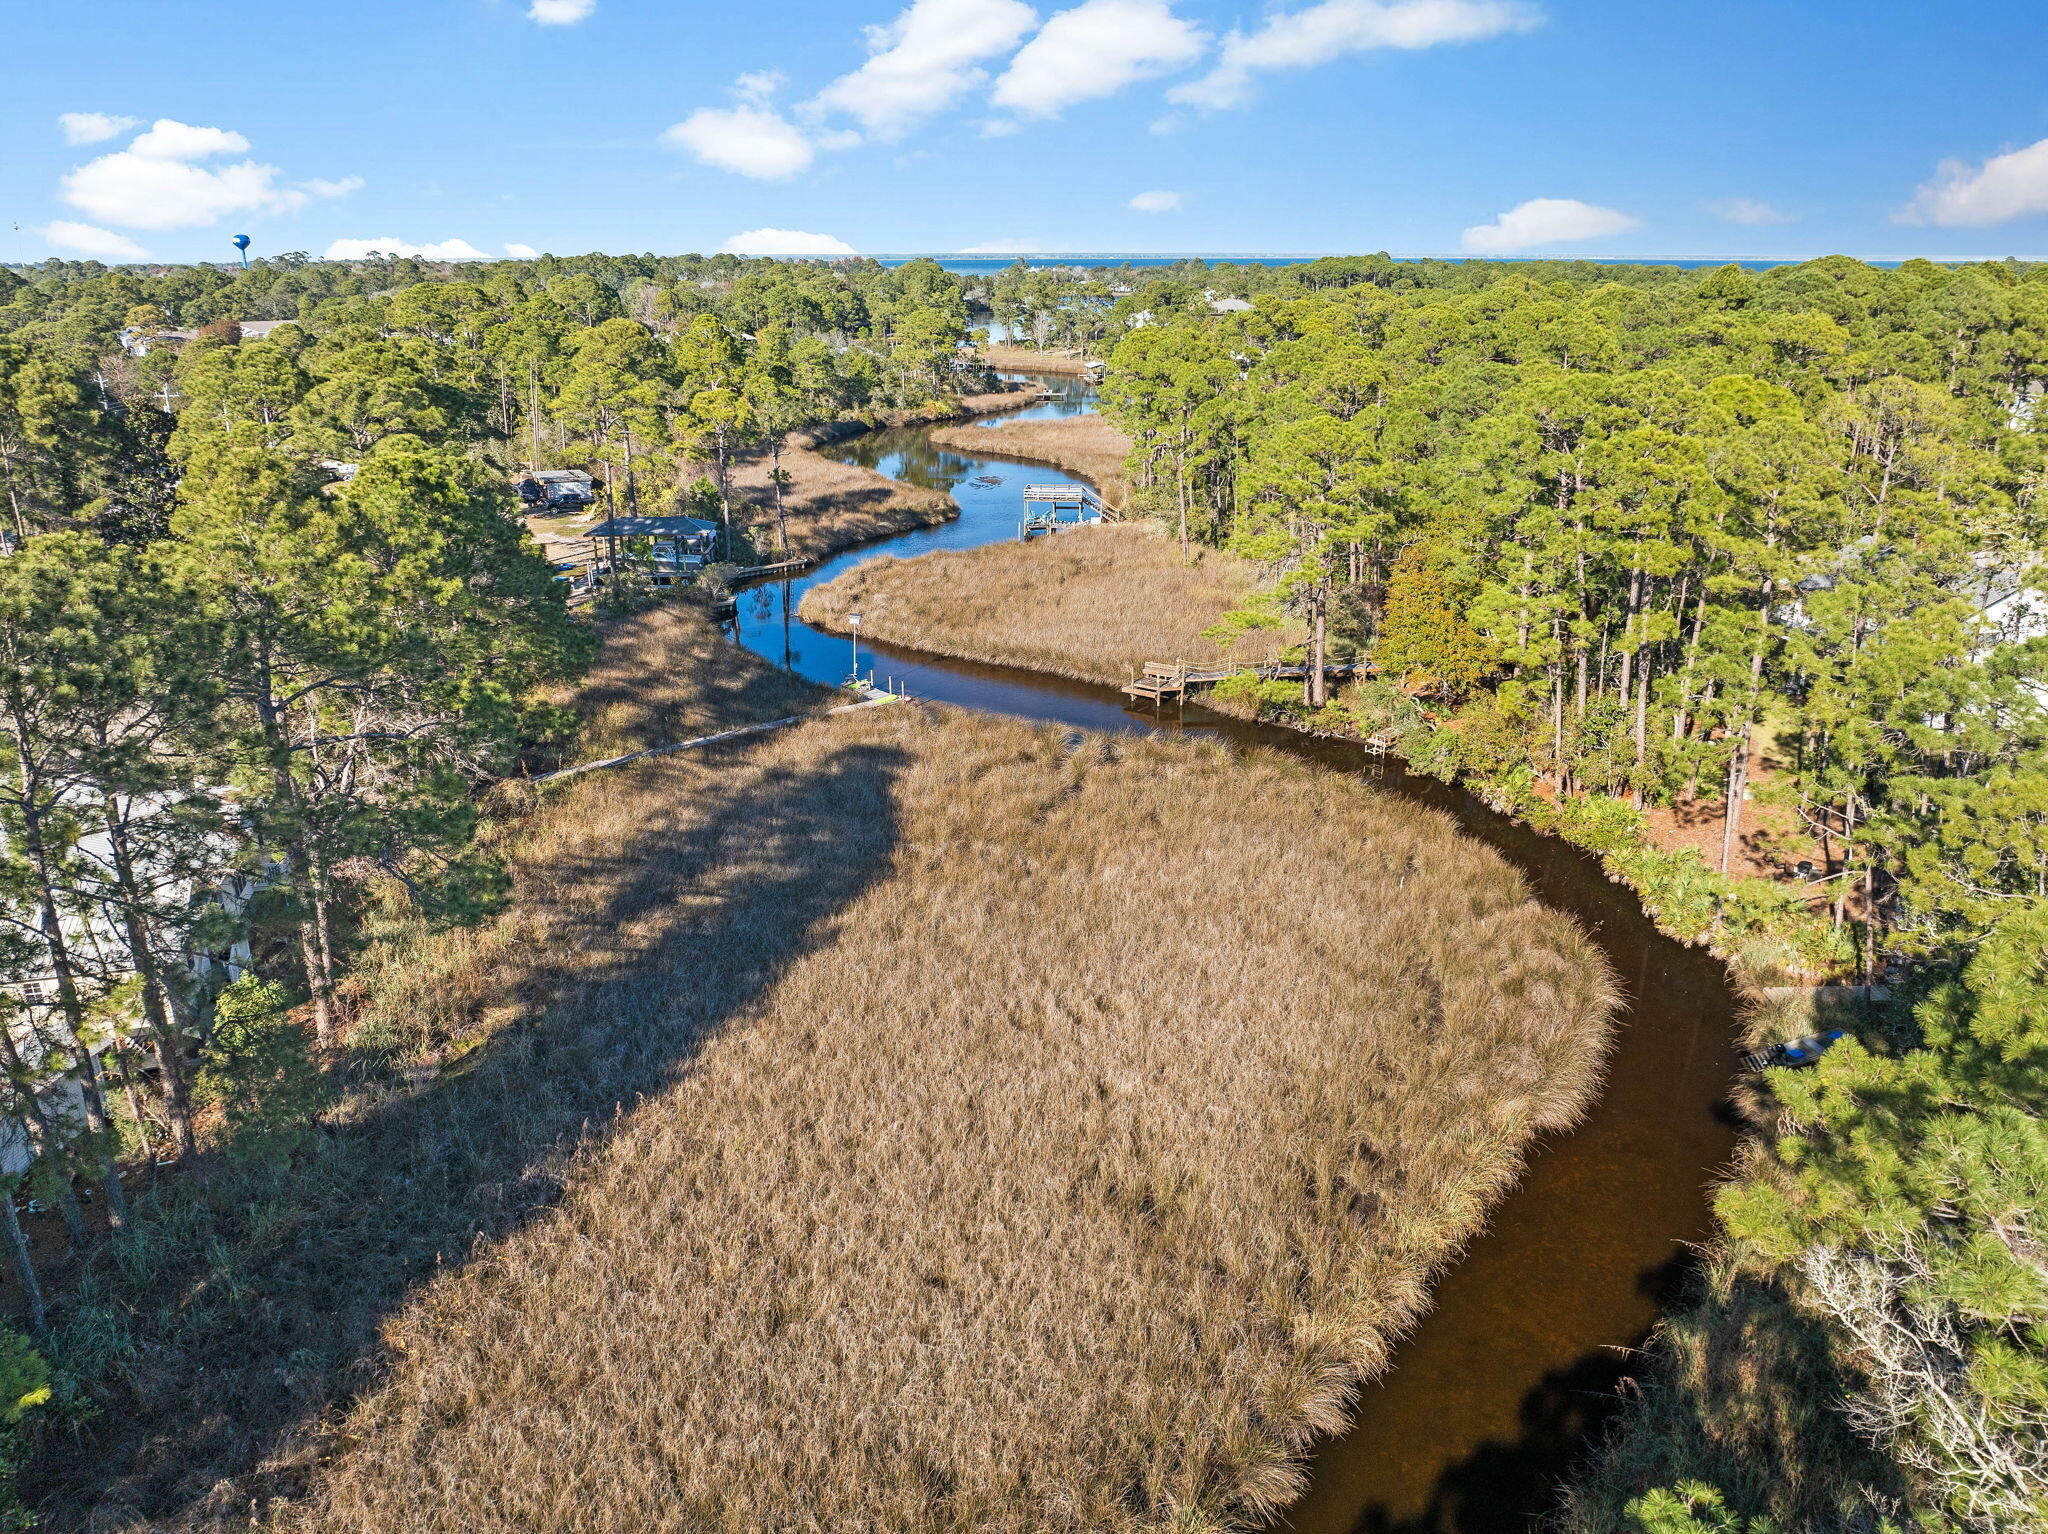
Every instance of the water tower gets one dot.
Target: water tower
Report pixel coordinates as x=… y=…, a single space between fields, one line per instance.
x=242 y=244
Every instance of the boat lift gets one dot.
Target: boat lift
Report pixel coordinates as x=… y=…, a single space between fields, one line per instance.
x=1048 y=508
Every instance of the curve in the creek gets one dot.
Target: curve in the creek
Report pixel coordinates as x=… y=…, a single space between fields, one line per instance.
x=1501 y=1385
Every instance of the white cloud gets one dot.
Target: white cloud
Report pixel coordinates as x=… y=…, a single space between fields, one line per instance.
x=1545 y=221
x=1747 y=210
x=392 y=245
x=1001 y=248
x=785 y=242
x=1319 y=33
x=520 y=252
x=165 y=139
x=89 y=240
x=1156 y=202
x=559 y=13
x=924 y=60
x=757 y=85
x=1096 y=49
x=93 y=127
x=155 y=183
x=2006 y=186
x=747 y=140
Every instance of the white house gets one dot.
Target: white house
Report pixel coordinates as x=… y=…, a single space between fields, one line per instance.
x=137 y=343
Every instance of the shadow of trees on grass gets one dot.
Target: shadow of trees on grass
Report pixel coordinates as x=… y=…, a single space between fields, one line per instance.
x=247 y=1307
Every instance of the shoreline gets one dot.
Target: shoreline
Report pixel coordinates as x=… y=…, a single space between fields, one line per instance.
x=1126 y=569
x=823 y=608
x=1390 y=1402
x=1086 y=446
x=833 y=506
x=1026 y=359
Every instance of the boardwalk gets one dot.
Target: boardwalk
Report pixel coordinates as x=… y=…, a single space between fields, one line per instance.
x=1161 y=680
x=870 y=697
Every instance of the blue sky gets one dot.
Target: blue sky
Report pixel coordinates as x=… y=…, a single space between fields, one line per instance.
x=1733 y=128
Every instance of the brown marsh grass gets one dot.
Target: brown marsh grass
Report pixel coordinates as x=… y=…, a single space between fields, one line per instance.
x=664 y=675
x=914 y=1121
x=1086 y=445
x=829 y=505
x=1095 y=603
x=1015 y=1133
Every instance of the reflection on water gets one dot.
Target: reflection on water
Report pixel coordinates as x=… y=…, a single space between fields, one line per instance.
x=1487 y=1404
x=1071 y=396
x=989 y=493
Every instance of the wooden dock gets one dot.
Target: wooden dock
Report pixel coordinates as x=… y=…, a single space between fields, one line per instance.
x=1158 y=683
x=1161 y=680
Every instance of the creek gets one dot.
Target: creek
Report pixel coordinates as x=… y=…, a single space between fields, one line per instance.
x=1533 y=1328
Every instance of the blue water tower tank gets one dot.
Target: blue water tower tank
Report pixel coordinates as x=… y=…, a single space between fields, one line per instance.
x=242 y=244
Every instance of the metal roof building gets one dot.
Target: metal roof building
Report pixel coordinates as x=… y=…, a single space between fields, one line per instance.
x=686 y=528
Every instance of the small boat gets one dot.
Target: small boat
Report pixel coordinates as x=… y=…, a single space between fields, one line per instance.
x=1794 y=1051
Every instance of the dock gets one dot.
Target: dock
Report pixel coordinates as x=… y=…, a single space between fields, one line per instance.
x=753 y=570
x=1048 y=508
x=1161 y=680
x=1158 y=683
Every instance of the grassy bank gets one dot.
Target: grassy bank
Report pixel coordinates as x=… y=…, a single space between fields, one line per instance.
x=1742 y=1389
x=1086 y=445
x=1095 y=603
x=918 y=1078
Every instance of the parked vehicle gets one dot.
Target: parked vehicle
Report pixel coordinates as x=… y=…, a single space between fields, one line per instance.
x=557 y=489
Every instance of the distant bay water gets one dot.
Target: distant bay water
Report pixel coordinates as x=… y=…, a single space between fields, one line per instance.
x=970 y=265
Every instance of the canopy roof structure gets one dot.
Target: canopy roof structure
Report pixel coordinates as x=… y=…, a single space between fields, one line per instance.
x=653 y=527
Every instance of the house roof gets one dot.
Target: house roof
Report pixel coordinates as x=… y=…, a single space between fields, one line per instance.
x=252 y=330
x=652 y=527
